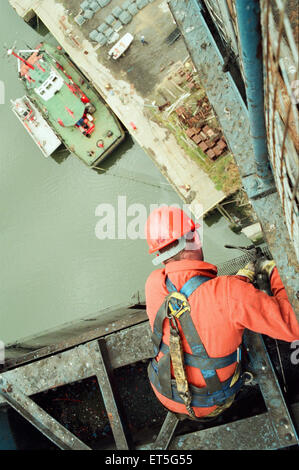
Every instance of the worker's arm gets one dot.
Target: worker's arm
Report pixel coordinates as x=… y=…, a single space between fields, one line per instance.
x=257 y=311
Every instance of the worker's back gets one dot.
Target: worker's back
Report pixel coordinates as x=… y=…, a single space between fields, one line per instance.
x=220 y=309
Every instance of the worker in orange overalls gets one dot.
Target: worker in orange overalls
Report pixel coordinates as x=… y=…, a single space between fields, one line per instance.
x=198 y=319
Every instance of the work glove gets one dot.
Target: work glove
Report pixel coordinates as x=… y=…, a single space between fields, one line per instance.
x=264 y=266
x=248 y=271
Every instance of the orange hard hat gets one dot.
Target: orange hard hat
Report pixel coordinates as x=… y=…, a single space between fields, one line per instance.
x=165 y=225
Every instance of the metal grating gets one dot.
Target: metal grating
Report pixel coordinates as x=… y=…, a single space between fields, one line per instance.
x=232 y=266
x=280 y=55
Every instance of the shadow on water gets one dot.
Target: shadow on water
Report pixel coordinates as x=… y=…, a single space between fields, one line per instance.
x=62 y=153
x=212 y=218
x=39 y=27
x=111 y=160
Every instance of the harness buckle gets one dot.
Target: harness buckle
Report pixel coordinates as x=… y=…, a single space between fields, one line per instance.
x=181 y=301
x=172 y=321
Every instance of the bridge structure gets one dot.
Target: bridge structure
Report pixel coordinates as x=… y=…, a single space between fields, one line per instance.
x=246 y=54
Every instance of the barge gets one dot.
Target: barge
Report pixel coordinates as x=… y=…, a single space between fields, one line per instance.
x=62 y=108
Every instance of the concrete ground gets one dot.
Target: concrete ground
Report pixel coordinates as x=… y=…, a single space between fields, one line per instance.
x=141 y=64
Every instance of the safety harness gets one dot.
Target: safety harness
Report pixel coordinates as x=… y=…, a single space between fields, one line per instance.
x=177 y=309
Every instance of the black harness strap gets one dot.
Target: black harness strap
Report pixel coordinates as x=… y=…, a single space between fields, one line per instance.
x=160 y=372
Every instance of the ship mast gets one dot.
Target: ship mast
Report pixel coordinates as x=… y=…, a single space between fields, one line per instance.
x=12 y=52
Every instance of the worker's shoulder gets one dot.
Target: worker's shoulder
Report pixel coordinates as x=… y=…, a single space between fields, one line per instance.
x=215 y=285
x=232 y=281
x=235 y=285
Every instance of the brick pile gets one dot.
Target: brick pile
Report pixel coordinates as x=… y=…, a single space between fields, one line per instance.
x=210 y=141
x=188 y=79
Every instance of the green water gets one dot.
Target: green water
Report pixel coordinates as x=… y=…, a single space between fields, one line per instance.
x=53 y=267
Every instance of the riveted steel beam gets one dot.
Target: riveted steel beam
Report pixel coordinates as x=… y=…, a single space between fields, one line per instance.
x=166 y=433
x=271 y=430
x=103 y=371
x=255 y=433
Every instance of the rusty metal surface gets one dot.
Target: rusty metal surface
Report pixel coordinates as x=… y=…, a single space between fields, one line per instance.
x=54 y=371
x=269 y=431
x=166 y=433
x=86 y=330
x=279 y=220
x=264 y=373
x=269 y=212
x=223 y=16
x=124 y=347
x=102 y=370
x=63 y=438
x=70 y=366
x=254 y=433
x=219 y=86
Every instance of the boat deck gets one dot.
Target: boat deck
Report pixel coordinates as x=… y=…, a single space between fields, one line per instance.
x=38 y=128
x=104 y=119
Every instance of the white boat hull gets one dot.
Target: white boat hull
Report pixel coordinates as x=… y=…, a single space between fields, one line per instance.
x=36 y=126
x=121 y=46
